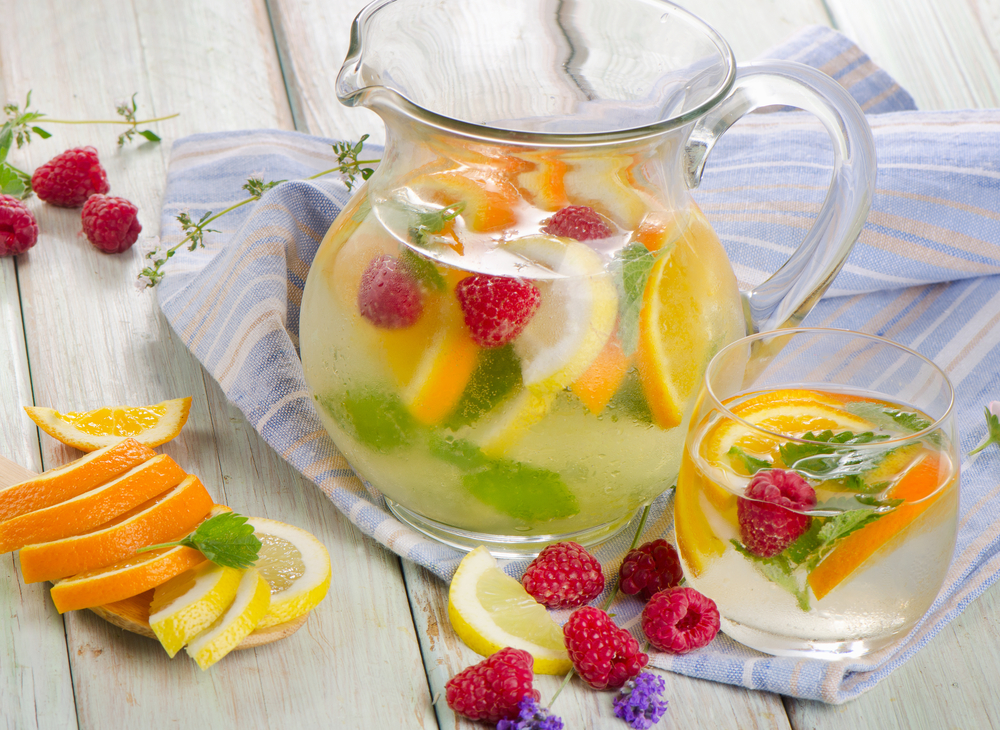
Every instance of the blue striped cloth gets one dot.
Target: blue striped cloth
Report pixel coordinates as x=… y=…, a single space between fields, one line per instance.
x=925 y=273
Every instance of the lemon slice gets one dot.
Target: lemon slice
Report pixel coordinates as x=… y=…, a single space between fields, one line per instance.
x=149 y=425
x=295 y=565
x=187 y=604
x=253 y=596
x=489 y=610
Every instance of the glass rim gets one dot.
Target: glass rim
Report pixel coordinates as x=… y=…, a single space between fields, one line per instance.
x=825 y=331
x=487 y=133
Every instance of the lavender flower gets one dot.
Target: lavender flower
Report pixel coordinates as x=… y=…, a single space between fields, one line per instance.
x=532 y=717
x=639 y=702
x=992 y=428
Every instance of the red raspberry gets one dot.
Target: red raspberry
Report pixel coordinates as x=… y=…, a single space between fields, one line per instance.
x=110 y=223
x=70 y=178
x=679 y=620
x=491 y=690
x=496 y=308
x=604 y=655
x=767 y=524
x=389 y=296
x=650 y=568
x=564 y=575
x=18 y=228
x=578 y=222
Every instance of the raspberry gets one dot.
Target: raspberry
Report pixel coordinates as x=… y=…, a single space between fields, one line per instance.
x=766 y=526
x=650 y=568
x=578 y=222
x=564 y=575
x=496 y=308
x=491 y=690
x=70 y=178
x=389 y=296
x=679 y=620
x=604 y=655
x=18 y=229
x=110 y=223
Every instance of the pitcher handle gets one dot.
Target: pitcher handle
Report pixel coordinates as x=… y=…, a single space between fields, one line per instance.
x=787 y=296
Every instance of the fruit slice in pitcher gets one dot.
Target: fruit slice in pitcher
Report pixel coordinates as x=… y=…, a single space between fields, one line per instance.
x=602 y=183
x=489 y=198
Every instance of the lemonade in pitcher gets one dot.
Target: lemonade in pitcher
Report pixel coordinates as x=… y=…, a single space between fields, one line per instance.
x=539 y=401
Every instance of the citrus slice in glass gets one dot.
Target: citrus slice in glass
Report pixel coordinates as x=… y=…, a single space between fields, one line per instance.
x=253 y=596
x=150 y=425
x=489 y=610
x=295 y=565
x=187 y=604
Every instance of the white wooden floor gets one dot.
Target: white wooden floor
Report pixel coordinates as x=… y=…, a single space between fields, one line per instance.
x=75 y=334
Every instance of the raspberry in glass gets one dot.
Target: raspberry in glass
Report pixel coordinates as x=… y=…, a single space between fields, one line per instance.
x=389 y=296
x=578 y=222
x=496 y=309
x=767 y=523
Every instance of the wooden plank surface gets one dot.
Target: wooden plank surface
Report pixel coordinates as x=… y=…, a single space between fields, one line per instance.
x=90 y=339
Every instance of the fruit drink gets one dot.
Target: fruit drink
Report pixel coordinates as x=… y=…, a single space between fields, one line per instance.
x=821 y=522
x=512 y=350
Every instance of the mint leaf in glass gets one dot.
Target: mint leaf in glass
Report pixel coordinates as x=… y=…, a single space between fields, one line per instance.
x=632 y=266
x=751 y=463
x=377 y=419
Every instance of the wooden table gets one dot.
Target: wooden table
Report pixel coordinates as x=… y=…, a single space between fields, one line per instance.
x=75 y=334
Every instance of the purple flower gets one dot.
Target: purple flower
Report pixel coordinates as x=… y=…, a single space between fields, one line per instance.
x=639 y=702
x=532 y=717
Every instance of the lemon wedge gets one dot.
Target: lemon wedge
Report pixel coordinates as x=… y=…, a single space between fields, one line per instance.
x=149 y=425
x=489 y=610
x=187 y=604
x=295 y=565
x=253 y=596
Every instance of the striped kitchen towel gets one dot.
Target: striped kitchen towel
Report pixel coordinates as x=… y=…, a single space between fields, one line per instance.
x=925 y=273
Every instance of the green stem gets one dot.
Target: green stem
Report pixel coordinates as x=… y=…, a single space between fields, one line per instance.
x=611 y=598
x=47 y=120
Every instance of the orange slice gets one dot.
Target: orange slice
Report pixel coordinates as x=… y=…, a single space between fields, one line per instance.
x=917 y=488
x=124 y=579
x=432 y=360
x=65 y=482
x=542 y=184
x=792 y=413
x=149 y=425
x=604 y=376
x=489 y=198
x=129 y=611
x=602 y=182
x=176 y=512
x=93 y=508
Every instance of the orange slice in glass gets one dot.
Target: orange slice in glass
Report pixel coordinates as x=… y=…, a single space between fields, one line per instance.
x=917 y=488
x=149 y=425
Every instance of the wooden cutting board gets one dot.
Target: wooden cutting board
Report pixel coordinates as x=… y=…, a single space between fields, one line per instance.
x=134 y=619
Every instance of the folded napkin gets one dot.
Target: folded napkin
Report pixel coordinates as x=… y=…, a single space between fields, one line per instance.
x=924 y=273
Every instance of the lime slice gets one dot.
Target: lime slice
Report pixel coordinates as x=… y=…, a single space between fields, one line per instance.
x=186 y=605
x=489 y=610
x=244 y=614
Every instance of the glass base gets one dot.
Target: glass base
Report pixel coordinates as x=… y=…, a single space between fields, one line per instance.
x=507 y=546
x=778 y=645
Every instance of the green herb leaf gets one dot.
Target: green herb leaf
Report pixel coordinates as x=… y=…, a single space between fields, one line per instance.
x=496 y=377
x=992 y=432
x=377 y=419
x=13 y=182
x=433 y=221
x=225 y=539
x=750 y=463
x=422 y=269
x=828 y=455
x=42 y=133
x=632 y=266
x=779 y=571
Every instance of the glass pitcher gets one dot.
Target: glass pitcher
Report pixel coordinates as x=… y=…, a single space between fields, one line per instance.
x=505 y=327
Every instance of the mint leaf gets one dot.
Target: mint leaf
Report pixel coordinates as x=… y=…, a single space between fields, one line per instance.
x=777 y=570
x=523 y=492
x=378 y=420
x=632 y=265
x=827 y=455
x=497 y=375
x=430 y=222
x=225 y=539
x=630 y=401
x=423 y=270
x=750 y=463
x=13 y=183
x=458 y=452
x=992 y=432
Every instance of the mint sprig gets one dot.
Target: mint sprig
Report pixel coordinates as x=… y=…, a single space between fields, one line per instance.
x=826 y=455
x=225 y=539
x=428 y=223
x=751 y=463
x=632 y=266
x=992 y=428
